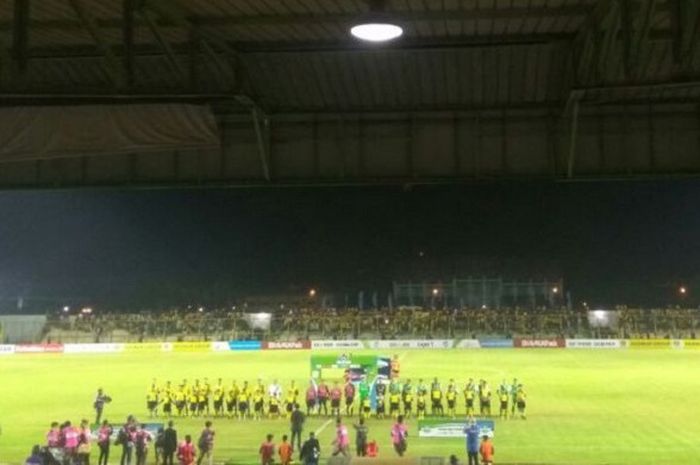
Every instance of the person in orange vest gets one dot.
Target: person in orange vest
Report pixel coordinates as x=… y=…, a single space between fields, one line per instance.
x=395 y=367
x=487 y=451
x=372 y=448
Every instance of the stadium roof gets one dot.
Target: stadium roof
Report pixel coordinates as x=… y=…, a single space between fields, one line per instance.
x=295 y=59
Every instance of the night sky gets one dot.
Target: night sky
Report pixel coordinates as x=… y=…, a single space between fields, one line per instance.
x=610 y=242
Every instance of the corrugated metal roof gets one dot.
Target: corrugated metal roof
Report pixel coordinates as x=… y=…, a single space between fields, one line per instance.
x=298 y=55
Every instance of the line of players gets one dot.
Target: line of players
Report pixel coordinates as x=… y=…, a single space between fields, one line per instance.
x=379 y=399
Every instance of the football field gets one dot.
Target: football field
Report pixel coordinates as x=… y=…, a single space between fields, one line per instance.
x=584 y=406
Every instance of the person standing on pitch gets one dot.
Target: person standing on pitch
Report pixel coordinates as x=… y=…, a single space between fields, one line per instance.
x=487 y=451
x=361 y=432
x=472 y=432
x=100 y=400
x=104 y=436
x=399 y=433
x=342 y=438
x=297 y=424
x=310 y=451
x=206 y=444
x=169 y=444
x=267 y=451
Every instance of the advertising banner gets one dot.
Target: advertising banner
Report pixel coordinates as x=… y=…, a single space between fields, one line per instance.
x=411 y=344
x=220 y=346
x=539 y=343
x=346 y=344
x=468 y=344
x=692 y=344
x=145 y=347
x=244 y=345
x=446 y=428
x=286 y=345
x=496 y=343
x=650 y=343
x=107 y=348
x=191 y=346
x=7 y=349
x=39 y=348
x=593 y=344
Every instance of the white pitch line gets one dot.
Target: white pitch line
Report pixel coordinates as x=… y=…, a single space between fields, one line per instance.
x=323 y=426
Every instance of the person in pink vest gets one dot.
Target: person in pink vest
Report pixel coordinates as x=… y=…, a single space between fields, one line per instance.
x=186 y=451
x=71 y=435
x=399 y=433
x=53 y=437
x=336 y=395
x=342 y=438
x=104 y=436
x=84 y=443
x=311 y=399
x=323 y=395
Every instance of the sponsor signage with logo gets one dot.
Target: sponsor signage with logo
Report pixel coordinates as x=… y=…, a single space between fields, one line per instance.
x=220 y=346
x=411 y=344
x=7 y=349
x=144 y=346
x=106 y=348
x=286 y=345
x=39 y=348
x=348 y=344
x=593 y=344
x=190 y=346
x=452 y=428
x=691 y=344
x=468 y=344
x=495 y=343
x=539 y=343
x=244 y=345
x=650 y=343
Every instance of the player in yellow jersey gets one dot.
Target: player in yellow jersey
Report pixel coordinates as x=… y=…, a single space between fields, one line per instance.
x=243 y=402
x=503 y=398
x=289 y=403
x=469 y=400
x=193 y=401
x=167 y=399
x=218 y=394
x=181 y=401
x=273 y=410
x=258 y=404
x=152 y=400
x=407 y=403
x=366 y=408
x=421 y=405
x=451 y=397
x=394 y=403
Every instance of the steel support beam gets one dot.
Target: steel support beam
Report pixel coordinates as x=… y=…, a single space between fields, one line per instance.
x=262 y=146
x=163 y=43
x=128 y=9
x=20 y=37
x=89 y=24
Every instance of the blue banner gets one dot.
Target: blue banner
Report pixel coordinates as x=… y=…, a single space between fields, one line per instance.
x=244 y=345
x=495 y=343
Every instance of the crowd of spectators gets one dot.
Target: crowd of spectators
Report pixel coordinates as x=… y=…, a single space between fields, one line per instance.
x=375 y=323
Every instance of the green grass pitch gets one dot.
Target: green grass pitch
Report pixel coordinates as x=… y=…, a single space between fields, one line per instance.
x=584 y=407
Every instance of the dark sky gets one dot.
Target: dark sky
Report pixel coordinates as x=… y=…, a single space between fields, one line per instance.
x=611 y=242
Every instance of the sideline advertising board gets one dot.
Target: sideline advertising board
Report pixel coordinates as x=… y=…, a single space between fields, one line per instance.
x=39 y=348
x=692 y=344
x=190 y=346
x=286 y=345
x=650 y=343
x=244 y=345
x=593 y=344
x=145 y=347
x=341 y=344
x=468 y=344
x=411 y=344
x=106 y=348
x=446 y=428
x=496 y=343
x=7 y=349
x=546 y=343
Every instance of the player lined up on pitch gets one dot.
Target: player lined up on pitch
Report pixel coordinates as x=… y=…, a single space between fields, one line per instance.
x=379 y=399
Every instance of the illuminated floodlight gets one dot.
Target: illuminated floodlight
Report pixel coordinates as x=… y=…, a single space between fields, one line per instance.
x=312 y=292
x=436 y=291
x=376 y=32
x=555 y=290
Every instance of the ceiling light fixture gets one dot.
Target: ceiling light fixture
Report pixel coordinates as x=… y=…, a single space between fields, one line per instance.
x=376 y=26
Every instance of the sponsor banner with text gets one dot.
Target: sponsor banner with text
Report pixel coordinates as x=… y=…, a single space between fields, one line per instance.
x=650 y=343
x=191 y=346
x=692 y=344
x=545 y=343
x=244 y=345
x=286 y=345
x=468 y=344
x=411 y=344
x=145 y=347
x=347 y=344
x=106 y=348
x=496 y=343
x=7 y=349
x=593 y=344
x=220 y=346
x=39 y=348
x=445 y=428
